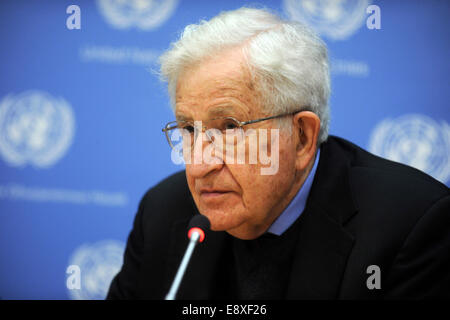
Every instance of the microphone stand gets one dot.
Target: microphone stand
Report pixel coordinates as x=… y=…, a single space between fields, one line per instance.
x=182 y=268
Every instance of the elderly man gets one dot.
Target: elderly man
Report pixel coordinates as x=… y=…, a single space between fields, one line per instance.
x=327 y=221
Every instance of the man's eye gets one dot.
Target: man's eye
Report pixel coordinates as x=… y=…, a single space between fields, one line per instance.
x=188 y=128
x=230 y=125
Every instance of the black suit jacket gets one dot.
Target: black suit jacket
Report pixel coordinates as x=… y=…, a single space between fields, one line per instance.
x=362 y=210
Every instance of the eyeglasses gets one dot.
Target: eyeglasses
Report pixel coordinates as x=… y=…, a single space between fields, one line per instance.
x=187 y=131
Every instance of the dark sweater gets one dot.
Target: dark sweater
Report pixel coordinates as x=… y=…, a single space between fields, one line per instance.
x=259 y=268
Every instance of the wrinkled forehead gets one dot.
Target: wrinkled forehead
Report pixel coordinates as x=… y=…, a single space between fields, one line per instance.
x=222 y=86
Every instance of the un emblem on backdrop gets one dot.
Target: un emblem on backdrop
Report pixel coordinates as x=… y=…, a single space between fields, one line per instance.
x=335 y=19
x=415 y=140
x=142 y=14
x=98 y=264
x=35 y=128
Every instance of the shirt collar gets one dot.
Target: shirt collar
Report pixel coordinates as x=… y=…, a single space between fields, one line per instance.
x=297 y=205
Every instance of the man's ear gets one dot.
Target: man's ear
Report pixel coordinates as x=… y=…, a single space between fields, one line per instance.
x=306 y=128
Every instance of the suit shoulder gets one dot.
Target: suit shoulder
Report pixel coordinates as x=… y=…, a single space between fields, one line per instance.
x=174 y=185
x=389 y=185
x=379 y=172
x=168 y=200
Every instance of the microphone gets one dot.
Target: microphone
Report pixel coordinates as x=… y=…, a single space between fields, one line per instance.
x=196 y=234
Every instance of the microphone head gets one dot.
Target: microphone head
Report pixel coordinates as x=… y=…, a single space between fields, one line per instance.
x=198 y=223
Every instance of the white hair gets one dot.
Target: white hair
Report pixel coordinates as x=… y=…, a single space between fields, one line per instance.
x=287 y=60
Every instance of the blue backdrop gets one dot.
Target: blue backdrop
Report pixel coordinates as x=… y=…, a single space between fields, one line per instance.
x=81 y=112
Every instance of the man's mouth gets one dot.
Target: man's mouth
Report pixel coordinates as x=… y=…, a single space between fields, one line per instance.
x=213 y=193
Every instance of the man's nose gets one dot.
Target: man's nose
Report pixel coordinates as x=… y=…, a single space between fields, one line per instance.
x=199 y=171
x=205 y=157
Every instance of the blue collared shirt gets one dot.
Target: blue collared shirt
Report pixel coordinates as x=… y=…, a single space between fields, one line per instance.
x=297 y=205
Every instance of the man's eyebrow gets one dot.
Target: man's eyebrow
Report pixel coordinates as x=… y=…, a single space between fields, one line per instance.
x=215 y=112
x=220 y=111
x=182 y=117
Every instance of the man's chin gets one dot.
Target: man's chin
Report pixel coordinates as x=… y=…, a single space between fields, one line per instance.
x=235 y=226
x=221 y=221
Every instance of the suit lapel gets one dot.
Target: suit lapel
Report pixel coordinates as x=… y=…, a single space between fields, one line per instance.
x=320 y=257
x=324 y=246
